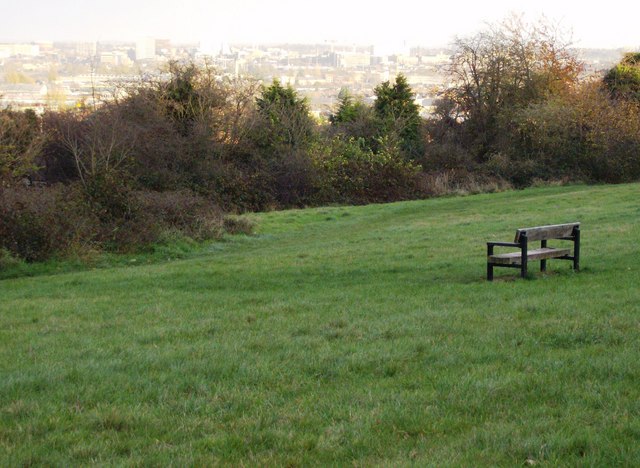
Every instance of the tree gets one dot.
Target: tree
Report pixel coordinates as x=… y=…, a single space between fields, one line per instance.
x=353 y=173
x=398 y=114
x=286 y=118
x=623 y=80
x=584 y=135
x=505 y=68
x=192 y=96
x=21 y=142
x=349 y=108
x=284 y=134
x=354 y=119
x=100 y=143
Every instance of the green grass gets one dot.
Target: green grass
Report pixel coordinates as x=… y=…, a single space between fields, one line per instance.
x=341 y=336
x=176 y=247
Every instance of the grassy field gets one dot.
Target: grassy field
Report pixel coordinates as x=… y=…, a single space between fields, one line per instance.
x=346 y=335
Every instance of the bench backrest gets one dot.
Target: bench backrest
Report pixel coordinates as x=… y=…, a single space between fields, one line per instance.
x=552 y=231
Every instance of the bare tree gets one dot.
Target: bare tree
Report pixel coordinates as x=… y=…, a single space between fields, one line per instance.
x=100 y=143
x=508 y=66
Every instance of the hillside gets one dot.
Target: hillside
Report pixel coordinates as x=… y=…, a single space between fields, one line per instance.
x=344 y=335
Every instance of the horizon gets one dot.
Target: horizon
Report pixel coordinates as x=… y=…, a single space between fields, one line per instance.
x=109 y=41
x=287 y=22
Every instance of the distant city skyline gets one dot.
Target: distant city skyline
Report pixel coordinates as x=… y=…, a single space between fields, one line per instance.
x=389 y=26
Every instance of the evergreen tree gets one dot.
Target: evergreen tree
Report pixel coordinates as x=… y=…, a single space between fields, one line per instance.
x=623 y=80
x=398 y=115
x=349 y=108
x=286 y=116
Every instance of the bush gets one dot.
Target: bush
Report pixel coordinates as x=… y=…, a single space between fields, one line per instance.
x=8 y=260
x=351 y=173
x=234 y=188
x=584 y=136
x=20 y=144
x=623 y=80
x=183 y=211
x=445 y=156
x=38 y=223
x=461 y=182
x=613 y=138
x=295 y=179
x=238 y=225
x=519 y=172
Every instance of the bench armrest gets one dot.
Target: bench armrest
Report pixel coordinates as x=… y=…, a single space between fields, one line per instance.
x=504 y=244
x=491 y=245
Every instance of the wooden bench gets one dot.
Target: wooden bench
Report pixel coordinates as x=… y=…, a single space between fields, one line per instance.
x=520 y=259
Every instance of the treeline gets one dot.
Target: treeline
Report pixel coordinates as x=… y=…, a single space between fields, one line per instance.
x=520 y=109
x=171 y=156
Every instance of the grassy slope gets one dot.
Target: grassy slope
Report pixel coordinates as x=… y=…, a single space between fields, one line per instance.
x=339 y=335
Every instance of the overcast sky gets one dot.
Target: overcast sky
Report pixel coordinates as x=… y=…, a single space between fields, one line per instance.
x=599 y=24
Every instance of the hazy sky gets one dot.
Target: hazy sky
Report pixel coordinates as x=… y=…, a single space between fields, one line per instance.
x=598 y=24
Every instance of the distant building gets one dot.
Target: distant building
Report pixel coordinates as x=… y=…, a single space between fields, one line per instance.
x=407 y=60
x=116 y=58
x=85 y=49
x=45 y=46
x=12 y=50
x=23 y=96
x=163 y=47
x=353 y=60
x=392 y=47
x=146 y=49
x=437 y=59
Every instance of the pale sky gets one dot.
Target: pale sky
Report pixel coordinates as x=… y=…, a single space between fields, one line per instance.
x=609 y=24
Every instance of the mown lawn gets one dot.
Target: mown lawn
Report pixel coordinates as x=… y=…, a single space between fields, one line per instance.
x=346 y=335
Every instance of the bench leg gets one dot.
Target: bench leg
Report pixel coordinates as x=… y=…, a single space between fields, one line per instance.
x=489 y=272
x=576 y=249
x=523 y=255
x=543 y=263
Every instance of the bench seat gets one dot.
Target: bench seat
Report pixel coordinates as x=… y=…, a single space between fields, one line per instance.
x=514 y=258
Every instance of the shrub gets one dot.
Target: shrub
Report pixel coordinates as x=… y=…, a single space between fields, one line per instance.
x=40 y=223
x=20 y=143
x=238 y=225
x=520 y=172
x=37 y=223
x=241 y=189
x=183 y=211
x=623 y=80
x=461 y=182
x=351 y=173
x=447 y=156
x=584 y=135
x=613 y=138
x=295 y=179
x=8 y=259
